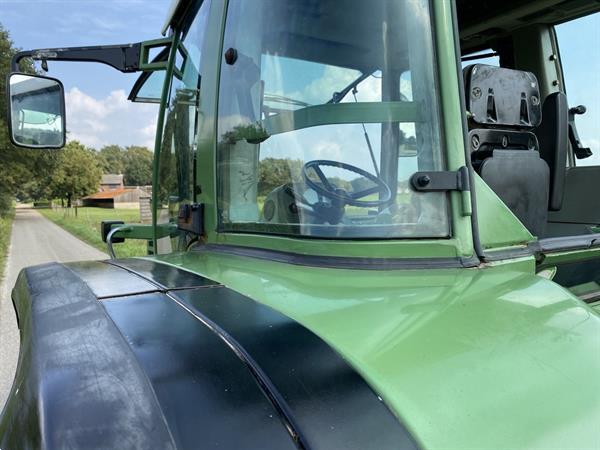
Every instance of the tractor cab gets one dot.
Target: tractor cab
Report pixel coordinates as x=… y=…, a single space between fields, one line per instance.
x=414 y=184
x=327 y=129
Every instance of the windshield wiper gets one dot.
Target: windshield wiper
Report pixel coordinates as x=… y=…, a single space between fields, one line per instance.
x=339 y=96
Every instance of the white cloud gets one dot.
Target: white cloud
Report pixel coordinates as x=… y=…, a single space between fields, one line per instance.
x=333 y=79
x=111 y=120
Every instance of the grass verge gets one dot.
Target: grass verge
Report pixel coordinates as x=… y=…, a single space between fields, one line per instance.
x=5 y=230
x=86 y=226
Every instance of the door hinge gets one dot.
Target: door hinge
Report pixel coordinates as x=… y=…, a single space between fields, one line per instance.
x=441 y=181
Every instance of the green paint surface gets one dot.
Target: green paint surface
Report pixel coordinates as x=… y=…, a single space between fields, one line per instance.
x=498 y=226
x=452 y=113
x=382 y=248
x=485 y=358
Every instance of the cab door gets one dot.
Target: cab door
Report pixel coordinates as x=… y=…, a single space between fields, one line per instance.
x=177 y=154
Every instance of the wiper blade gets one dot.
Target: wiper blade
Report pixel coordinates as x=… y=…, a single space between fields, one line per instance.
x=285 y=100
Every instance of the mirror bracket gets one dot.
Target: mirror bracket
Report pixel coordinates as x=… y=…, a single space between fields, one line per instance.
x=145 y=64
x=125 y=57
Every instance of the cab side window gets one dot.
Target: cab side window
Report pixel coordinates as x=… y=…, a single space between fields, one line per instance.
x=579 y=45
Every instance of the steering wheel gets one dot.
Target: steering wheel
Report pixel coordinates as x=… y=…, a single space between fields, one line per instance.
x=341 y=196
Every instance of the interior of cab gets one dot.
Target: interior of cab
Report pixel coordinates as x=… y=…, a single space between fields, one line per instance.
x=291 y=73
x=523 y=117
x=326 y=109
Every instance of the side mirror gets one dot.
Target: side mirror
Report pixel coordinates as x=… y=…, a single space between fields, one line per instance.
x=36 y=111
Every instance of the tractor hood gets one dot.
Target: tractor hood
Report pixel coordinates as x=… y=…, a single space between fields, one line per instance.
x=239 y=352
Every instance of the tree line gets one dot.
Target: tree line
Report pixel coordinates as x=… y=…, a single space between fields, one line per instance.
x=17 y=165
x=75 y=171
x=71 y=172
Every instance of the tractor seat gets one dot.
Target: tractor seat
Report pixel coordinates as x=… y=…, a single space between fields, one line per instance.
x=504 y=110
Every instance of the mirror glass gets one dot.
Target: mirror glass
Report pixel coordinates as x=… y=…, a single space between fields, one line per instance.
x=36 y=111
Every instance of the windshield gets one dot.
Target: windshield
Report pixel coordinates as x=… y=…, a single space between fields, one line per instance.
x=326 y=108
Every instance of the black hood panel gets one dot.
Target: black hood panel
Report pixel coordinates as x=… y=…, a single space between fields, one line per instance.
x=195 y=365
x=205 y=391
x=329 y=403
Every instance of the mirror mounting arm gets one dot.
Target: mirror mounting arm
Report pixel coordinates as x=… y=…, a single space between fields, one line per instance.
x=125 y=58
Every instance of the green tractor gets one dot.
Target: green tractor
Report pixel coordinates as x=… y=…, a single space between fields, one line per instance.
x=373 y=228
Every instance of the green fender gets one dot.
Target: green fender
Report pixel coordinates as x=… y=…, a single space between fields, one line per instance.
x=486 y=358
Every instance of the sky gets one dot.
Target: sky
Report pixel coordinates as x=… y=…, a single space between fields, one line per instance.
x=98 y=112
x=579 y=43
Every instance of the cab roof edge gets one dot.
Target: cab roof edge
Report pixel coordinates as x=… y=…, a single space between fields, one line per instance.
x=171 y=15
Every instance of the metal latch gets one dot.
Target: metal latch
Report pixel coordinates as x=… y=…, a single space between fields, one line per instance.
x=441 y=181
x=191 y=218
x=580 y=151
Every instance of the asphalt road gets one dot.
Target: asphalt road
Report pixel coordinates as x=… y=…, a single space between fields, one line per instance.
x=35 y=240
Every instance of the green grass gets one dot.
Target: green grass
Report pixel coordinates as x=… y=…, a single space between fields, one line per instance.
x=5 y=229
x=86 y=226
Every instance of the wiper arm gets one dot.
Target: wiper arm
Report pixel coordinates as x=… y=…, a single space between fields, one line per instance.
x=338 y=96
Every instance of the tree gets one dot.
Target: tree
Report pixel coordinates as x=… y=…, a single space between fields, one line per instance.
x=35 y=183
x=77 y=173
x=112 y=159
x=138 y=166
x=21 y=168
x=274 y=172
x=6 y=53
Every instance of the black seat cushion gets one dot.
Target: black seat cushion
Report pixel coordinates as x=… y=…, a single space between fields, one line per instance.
x=521 y=179
x=553 y=137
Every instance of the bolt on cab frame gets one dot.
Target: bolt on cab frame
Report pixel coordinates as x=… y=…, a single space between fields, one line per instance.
x=355 y=244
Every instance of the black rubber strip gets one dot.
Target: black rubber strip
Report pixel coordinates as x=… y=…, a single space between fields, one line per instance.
x=568 y=243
